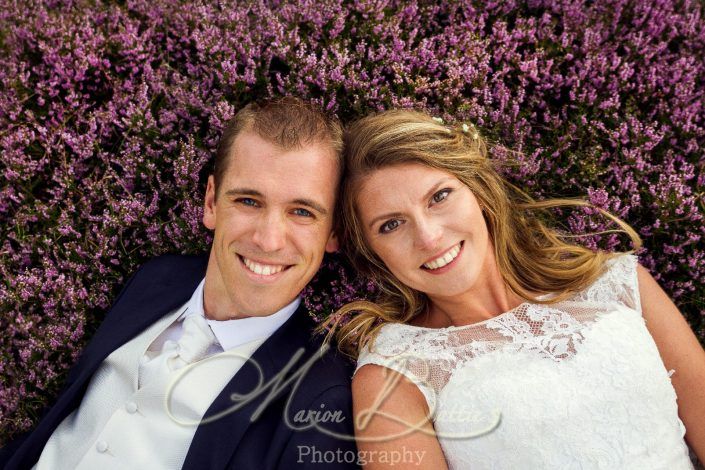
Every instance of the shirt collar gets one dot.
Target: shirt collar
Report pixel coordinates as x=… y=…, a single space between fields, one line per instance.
x=233 y=333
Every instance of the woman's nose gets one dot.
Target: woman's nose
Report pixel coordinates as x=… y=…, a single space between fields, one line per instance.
x=428 y=234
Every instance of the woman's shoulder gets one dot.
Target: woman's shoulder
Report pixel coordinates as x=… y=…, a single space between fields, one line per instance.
x=617 y=283
x=401 y=349
x=622 y=264
x=394 y=340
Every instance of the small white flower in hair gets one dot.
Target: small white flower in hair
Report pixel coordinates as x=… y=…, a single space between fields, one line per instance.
x=466 y=128
x=438 y=120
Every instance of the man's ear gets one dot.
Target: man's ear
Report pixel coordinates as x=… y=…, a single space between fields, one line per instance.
x=332 y=245
x=209 y=204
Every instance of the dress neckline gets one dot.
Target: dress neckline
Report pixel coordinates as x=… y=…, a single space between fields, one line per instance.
x=459 y=327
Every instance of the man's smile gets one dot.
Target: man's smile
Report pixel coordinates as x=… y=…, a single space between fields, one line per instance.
x=263 y=270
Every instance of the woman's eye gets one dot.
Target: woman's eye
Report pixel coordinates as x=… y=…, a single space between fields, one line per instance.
x=441 y=195
x=389 y=226
x=303 y=212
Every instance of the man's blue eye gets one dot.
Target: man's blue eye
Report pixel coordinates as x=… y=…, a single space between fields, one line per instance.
x=303 y=212
x=441 y=195
x=389 y=226
x=247 y=201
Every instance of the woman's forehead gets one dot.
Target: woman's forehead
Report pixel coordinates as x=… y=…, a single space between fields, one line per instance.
x=408 y=177
x=393 y=187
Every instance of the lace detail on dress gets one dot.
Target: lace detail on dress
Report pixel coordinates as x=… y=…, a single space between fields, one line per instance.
x=427 y=356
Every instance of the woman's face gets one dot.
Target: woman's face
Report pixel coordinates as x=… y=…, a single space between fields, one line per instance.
x=427 y=227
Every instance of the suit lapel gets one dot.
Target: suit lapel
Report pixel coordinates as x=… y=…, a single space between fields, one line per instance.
x=215 y=441
x=151 y=298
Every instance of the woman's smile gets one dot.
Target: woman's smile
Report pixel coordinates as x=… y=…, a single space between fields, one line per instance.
x=445 y=262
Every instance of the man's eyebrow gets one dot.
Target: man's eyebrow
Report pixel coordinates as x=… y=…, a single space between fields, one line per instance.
x=426 y=196
x=253 y=192
x=243 y=192
x=312 y=204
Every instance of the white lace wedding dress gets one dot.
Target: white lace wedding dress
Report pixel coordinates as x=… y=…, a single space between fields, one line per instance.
x=573 y=385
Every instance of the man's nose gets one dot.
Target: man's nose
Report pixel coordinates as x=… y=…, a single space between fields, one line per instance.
x=270 y=234
x=428 y=234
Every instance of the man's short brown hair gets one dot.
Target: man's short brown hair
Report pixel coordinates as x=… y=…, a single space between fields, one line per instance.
x=288 y=123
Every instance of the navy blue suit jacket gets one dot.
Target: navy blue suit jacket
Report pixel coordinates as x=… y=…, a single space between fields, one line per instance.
x=235 y=440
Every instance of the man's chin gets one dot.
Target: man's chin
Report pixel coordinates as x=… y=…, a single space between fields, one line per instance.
x=263 y=310
x=256 y=300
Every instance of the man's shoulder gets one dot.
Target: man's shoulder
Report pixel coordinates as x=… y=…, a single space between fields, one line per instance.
x=171 y=265
x=171 y=278
x=319 y=409
x=169 y=269
x=330 y=371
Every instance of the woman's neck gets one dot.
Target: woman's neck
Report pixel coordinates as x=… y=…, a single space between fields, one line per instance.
x=487 y=298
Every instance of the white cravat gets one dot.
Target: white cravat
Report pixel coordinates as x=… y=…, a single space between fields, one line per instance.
x=229 y=333
x=196 y=339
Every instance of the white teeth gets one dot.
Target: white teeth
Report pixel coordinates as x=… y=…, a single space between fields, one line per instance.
x=443 y=260
x=263 y=269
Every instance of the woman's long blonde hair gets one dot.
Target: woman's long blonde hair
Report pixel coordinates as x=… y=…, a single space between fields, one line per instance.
x=532 y=257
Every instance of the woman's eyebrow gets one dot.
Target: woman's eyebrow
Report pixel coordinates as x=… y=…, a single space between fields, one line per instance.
x=384 y=216
x=435 y=187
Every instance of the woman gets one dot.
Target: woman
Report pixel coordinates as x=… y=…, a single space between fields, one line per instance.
x=495 y=342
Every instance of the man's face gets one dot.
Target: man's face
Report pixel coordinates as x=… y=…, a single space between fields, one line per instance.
x=273 y=220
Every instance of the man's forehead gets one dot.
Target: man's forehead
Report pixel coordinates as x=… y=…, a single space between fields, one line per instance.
x=249 y=142
x=250 y=137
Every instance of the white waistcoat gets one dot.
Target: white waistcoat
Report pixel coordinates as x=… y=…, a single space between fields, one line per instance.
x=119 y=426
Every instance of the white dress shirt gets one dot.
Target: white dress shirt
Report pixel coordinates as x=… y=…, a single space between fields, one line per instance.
x=229 y=333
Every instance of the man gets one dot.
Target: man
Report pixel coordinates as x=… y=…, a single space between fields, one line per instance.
x=209 y=362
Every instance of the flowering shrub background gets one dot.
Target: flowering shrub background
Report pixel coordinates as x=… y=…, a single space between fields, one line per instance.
x=110 y=112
